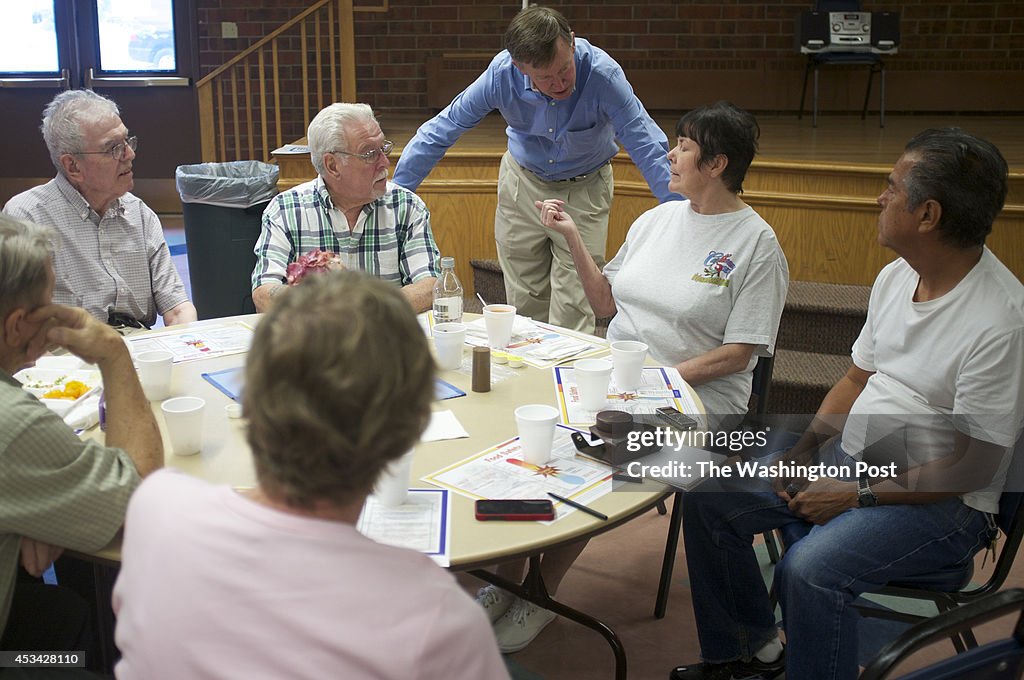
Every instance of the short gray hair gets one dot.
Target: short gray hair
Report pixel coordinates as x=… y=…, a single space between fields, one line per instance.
x=327 y=130
x=64 y=117
x=25 y=257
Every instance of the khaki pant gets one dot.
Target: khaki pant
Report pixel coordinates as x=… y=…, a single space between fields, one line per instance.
x=540 y=278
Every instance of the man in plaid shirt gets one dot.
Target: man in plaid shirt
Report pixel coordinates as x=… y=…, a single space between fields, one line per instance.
x=350 y=209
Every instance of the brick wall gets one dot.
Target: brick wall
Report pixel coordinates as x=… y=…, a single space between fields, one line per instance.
x=938 y=37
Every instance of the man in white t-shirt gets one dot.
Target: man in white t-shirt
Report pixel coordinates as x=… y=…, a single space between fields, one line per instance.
x=275 y=582
x=935 y=390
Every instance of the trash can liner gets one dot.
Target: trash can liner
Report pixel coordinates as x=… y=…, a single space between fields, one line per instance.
x=236 y=184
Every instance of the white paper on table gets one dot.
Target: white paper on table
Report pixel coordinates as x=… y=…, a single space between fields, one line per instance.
x=476 y=330
x=443 y=425
x=196 y=343
x=659 y=386
x=498 y=472
x=85 y=413
x=540 y=345
x=423 y=523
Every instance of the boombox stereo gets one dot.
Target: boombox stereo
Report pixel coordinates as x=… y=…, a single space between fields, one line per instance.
x=877 y=32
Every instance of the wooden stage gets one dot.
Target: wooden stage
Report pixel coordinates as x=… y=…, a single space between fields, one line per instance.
x=816 y=186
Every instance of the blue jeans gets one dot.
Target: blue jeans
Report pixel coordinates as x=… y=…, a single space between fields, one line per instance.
x=819 y=576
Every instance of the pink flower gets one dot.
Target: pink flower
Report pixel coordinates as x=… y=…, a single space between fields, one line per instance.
x=314 y=262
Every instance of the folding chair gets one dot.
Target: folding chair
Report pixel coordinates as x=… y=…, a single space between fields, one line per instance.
x=759 y=387
x=998 y=660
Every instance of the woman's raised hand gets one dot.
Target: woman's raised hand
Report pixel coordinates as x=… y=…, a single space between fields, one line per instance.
x=554 y=217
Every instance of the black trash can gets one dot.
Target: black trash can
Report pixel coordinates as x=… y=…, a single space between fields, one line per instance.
x=222 y=204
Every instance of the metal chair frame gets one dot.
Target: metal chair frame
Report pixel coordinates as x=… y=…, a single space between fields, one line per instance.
x=760 y=386
x=1000 y=659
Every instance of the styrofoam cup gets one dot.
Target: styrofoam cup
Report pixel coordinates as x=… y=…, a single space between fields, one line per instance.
x=184 y=419
x=499 y=320
x=536 y=423
x=449 y=339
x=592 y=378
x=628 y=357
x=392 y=487
x=154 y=367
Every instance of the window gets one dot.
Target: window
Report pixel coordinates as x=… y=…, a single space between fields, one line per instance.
x=28 y=37
x=136 y=35
x=81 y=41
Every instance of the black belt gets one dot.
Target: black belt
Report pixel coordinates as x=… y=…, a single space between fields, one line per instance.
x=580 y=178
x=120 y=320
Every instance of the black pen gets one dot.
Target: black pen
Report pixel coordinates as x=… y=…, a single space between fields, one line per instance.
x=579 y=506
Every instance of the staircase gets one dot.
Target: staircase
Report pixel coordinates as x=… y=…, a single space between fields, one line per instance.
x=297 y=69
x=819 y=325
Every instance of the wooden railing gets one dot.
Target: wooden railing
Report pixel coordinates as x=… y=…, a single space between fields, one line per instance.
x=262 y=98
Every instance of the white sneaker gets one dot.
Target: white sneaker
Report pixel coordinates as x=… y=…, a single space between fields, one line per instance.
x=495 y=601
x=520 y=625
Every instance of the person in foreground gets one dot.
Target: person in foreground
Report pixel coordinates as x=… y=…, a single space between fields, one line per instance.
x=701 y=281
x=58 y=491
x=350 y=210
x=275 y=581
x=113 y=260
x=934 y=390
x=566 y=103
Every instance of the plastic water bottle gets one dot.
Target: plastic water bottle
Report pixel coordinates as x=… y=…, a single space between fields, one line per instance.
x=447 y=294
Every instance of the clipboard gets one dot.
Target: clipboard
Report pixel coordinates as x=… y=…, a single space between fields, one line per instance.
x=230 y=381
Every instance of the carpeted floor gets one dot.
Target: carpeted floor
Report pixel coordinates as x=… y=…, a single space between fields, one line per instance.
x=616 y=580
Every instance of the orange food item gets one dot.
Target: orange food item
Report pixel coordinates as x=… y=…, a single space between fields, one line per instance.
x=73 y=390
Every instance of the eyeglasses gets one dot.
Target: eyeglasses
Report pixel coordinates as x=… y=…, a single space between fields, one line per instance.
x=370 y=157
x=118 y=151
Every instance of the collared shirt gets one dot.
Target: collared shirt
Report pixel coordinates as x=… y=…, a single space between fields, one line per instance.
x=54 y=487
x=390 y=240
x=554 y=139
x=117 y=261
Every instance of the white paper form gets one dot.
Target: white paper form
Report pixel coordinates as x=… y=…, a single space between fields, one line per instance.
x=499 y=472
x=196 y=343
x=660 y=386
x=443 y=425
x=423 y=523
x=540 y=345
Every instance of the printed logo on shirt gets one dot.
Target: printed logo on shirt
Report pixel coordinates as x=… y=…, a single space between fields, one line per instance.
x=717 y=268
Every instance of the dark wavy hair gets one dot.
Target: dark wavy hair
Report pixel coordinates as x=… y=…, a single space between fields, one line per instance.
x=723 y=129
x=338 y=383
x=966 y=175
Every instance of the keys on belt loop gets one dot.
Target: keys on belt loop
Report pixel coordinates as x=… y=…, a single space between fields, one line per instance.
x=993 y=539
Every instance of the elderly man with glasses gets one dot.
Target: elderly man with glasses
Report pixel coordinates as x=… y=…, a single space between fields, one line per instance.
x=351 y=211
x=110 y=254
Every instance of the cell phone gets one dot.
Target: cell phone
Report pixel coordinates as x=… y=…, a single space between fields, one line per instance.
x=515 y=510
x=676 y=418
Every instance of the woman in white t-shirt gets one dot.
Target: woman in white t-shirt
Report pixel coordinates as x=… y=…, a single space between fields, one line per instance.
x=702 y=281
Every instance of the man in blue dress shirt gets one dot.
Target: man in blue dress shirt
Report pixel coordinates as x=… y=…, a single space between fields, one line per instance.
x=566 y=103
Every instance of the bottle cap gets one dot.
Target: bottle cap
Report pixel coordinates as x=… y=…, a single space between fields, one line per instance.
x=447 y=261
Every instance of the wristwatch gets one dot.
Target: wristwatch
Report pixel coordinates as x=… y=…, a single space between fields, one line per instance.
x=866 y=498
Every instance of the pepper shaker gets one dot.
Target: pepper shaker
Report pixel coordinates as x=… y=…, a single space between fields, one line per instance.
x=481 y=369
